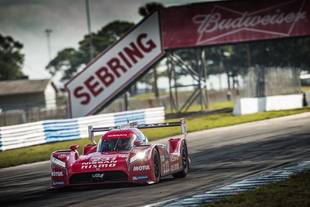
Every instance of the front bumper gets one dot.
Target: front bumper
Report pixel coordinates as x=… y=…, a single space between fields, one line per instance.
x=100 y=177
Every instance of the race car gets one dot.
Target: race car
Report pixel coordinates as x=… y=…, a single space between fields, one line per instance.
x=122 y=154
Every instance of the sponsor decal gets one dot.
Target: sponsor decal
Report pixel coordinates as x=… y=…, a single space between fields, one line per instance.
x=233 y=21
x=99 y=164
x=57 y=174
x=58 y=162
x=123 y=156
x=140 y=177
x=103 y=159
x=173 y=158
x=166 y=167
x=61 y=156
x=175 y=167
x=97 y=175
x=162 y=158
x=58 y=183
x=117 y=135
x=141 y=168
x=245 y=21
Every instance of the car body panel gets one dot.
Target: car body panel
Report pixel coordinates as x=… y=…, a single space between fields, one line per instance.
x=136 y=165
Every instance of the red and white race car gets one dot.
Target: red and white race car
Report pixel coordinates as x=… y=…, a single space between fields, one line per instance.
x=123 y=154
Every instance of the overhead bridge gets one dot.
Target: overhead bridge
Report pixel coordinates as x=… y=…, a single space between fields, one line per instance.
x=187 y=26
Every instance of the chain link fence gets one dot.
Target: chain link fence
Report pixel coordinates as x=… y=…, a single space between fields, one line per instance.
x=261 y=81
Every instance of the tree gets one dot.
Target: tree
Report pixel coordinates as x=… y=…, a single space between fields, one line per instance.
x=144 y=11
x=149 y=8
x=69 y=60
x=11 y=58
x=105 y=37
x=287 y=52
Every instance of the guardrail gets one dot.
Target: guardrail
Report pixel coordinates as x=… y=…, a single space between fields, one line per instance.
x=29 y=134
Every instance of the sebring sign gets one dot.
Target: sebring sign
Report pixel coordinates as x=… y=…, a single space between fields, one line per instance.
x=116 y=68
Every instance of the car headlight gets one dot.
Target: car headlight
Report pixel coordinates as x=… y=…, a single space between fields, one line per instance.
x=58 y=162
x=138 y=156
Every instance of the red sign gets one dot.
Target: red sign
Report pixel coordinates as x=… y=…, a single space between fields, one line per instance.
x=233 y=21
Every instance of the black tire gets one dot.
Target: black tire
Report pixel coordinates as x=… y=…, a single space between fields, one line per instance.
x=185 y=163
x=156 y=161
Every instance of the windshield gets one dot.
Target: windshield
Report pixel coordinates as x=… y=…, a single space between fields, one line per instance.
x=115 y=144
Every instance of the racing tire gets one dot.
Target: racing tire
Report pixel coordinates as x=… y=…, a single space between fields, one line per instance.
x=185 y=162
x=156 y=162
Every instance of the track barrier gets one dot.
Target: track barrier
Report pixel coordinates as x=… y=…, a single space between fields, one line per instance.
x=41 y=132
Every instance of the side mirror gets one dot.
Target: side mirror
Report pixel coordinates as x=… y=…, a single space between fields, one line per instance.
x=74 y=147
x=137 y=143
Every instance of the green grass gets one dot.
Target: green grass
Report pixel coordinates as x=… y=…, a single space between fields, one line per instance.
x=212 y=106
x=305 y=88
x=294 y=192
x=144 y=96
x=42 y=152
x=193 y=108
x=35 y=153
x=149 y=95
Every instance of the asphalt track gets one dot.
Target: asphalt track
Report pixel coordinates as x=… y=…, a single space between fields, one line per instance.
x=219 y=156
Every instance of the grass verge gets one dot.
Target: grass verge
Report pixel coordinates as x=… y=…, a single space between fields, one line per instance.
x=219 y=120
x=212 y=106
x=42 y=152
x=294 y=192
x=305 y=89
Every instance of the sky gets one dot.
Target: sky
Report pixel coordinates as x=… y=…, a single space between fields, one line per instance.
x=27 y=20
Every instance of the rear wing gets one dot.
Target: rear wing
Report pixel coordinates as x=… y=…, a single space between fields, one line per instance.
x=181 y=123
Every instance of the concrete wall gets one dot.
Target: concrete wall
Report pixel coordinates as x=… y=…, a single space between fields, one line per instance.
x=269 y=103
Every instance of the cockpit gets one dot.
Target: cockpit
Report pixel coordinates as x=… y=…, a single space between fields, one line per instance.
x=121 y=140
x=115 y=144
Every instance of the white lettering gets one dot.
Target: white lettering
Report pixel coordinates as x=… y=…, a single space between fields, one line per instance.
x=57 y=174
x=214 y=21
x=141 y=168
x=99 y=164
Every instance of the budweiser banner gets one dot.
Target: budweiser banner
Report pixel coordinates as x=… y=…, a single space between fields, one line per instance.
x=233 y=21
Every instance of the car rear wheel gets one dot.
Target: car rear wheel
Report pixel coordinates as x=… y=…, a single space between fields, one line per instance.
x=185 y=163
x=156 y=164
